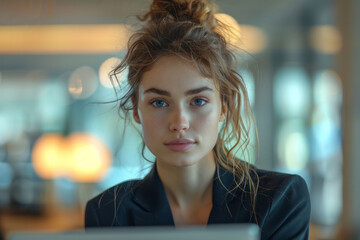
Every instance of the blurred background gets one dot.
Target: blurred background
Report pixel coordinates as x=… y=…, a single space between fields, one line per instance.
x=63 y=142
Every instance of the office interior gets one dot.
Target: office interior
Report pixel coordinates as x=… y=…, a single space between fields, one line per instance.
x=62 y=140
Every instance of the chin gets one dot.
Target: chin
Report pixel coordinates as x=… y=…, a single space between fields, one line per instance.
x=182 y=162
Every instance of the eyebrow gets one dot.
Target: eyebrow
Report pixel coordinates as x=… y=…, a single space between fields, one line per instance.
x=189 y=92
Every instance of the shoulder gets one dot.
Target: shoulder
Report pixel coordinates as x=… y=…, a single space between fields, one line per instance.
x=287 y=202
x=103 y=207
x=279 y=184
x=283 y=188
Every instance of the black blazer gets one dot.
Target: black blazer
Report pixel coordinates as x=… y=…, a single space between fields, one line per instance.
x=282 y=205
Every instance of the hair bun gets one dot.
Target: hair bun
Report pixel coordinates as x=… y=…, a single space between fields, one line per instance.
x=196 y=11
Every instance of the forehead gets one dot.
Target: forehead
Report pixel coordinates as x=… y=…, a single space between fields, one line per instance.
x=174 y=74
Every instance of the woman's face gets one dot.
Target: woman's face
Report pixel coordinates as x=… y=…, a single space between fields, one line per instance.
x=179 y=111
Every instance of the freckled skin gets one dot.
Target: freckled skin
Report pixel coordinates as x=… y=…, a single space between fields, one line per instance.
x=178 y=113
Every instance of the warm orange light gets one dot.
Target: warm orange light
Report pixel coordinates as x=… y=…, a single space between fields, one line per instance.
x=46 y=155
x=246 y=37
x=90 y=158
x=80 y=157
x=63 y=39
x=325 y=39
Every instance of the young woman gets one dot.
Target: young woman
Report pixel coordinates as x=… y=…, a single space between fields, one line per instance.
x=183 y=86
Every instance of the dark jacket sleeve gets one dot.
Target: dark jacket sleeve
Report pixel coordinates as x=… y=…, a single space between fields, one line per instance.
x=289 y=213
x=91 y=216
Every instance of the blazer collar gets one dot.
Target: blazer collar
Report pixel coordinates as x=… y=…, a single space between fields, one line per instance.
x=151 y=197
x=223 y=183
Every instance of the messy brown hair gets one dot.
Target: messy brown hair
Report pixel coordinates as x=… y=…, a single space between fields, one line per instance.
x=189 y=29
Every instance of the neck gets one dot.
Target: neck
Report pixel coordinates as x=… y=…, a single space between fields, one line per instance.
x=188 y=186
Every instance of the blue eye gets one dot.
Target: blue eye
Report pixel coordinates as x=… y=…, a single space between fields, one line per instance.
x=198 y=102
x=159 y=103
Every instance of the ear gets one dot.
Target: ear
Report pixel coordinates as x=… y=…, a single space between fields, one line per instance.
x=135 y=112
x=223 y=113
x=136 y=116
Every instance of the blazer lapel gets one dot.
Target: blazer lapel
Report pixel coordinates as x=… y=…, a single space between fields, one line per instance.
x=151 y=198
x=155 y=209
x=228 y=207
x=223 y=182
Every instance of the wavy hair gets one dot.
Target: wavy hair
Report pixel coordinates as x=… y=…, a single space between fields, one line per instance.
x=189 y=29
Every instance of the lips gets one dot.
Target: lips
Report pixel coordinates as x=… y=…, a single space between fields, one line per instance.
x=180 y=145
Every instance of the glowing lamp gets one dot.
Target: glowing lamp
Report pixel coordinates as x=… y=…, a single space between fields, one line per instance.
x=82 y=82
x=89 y=160
x=246 y=37
x=46 y=152
x=63 y=39
x=80 y=157
x=105 y=69
x=325 y=39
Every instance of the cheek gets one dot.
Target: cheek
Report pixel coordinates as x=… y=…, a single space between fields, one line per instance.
x=151 y=127
x=207 y=122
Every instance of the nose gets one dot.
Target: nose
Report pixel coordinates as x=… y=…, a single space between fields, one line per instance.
x=179 y=120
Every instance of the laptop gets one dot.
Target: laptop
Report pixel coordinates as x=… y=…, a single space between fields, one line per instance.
x=210 y=232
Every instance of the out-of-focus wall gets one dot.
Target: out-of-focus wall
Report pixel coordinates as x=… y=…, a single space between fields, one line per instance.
x=348 y=63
